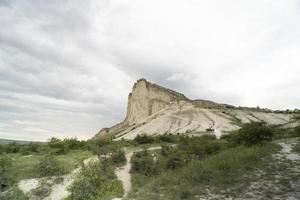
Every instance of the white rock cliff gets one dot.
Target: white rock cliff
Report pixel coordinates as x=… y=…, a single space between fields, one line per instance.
x=153 y=110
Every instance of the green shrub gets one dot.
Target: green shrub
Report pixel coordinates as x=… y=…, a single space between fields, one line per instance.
x=58 y=146
x=253 y=133
x=166 y=150
x=44 y=149
x=73 y=143
x=297 y=131
x=92 y=183
x=49 y=166
x=176 y=159
x=12 y=148
x=13 y=194
x=103 y=146
x=222 y=171
x=143 y=163
x=166 y=138
x=185 y=194
x=5 y=163
x=210 y=130
x=143 y=139
x=118 y=158
x=201 y=146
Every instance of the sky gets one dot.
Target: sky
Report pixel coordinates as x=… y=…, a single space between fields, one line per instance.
x=66 y=67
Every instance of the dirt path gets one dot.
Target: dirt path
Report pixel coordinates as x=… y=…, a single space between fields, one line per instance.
x=123 y=173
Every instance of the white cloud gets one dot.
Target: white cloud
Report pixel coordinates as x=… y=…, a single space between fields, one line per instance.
x=66 y=67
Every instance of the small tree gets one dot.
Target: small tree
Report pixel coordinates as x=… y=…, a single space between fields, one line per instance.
x=254 y=133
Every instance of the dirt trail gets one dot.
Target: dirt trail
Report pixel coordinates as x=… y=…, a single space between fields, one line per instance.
x=123 y=173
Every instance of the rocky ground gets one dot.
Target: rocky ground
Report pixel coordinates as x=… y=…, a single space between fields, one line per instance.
x=186 y=118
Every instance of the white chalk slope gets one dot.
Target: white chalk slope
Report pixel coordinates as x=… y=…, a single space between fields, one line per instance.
x=153 y=110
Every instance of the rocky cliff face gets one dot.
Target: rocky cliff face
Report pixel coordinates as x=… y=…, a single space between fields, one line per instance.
x=147 y=98
x=153 y=109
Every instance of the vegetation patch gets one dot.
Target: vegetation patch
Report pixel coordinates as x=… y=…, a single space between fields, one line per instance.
x=217 y=172
x=95 y=181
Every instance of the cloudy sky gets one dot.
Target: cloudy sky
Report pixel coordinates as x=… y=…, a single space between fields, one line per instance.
x=66 y=67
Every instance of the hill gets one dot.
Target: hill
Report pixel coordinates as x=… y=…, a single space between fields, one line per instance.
x=7 y=141
x=154 y=110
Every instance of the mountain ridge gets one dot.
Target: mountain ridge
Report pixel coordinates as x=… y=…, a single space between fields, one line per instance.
x=154 y=109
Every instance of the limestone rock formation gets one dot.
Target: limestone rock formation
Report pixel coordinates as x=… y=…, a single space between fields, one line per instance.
x=153 y=109
x=147 y=98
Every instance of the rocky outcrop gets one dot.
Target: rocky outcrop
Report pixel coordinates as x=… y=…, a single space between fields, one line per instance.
x=153 y=109
x=147 y=98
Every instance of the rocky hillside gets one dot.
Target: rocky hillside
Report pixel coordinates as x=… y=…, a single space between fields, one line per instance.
x=153 y=109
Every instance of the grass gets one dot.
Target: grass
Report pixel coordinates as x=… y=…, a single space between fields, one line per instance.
x=227 y=169
x=208 y=168
x=25 y=167
x=13 y=194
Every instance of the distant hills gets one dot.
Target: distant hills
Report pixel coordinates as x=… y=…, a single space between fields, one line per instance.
x=7 y=141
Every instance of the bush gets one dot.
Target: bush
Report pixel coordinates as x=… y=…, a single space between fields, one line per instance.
x=73 y=143
x=102 y=146
x=144 y=139
x=143 y=163
x=166 y=138
x=297 y=131
x=5 y=164
x=118 y=158
x=253 y=133
x=217 y=173
x=176 y=159
x=201 y=146
x=12 y=148
x=13 y=194
x=49 y=166
x=165 y=150
x=92 y=183
x=210 y=130
x=58 y=146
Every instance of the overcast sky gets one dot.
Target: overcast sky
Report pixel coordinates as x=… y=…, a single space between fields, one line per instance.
x=66 y=67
